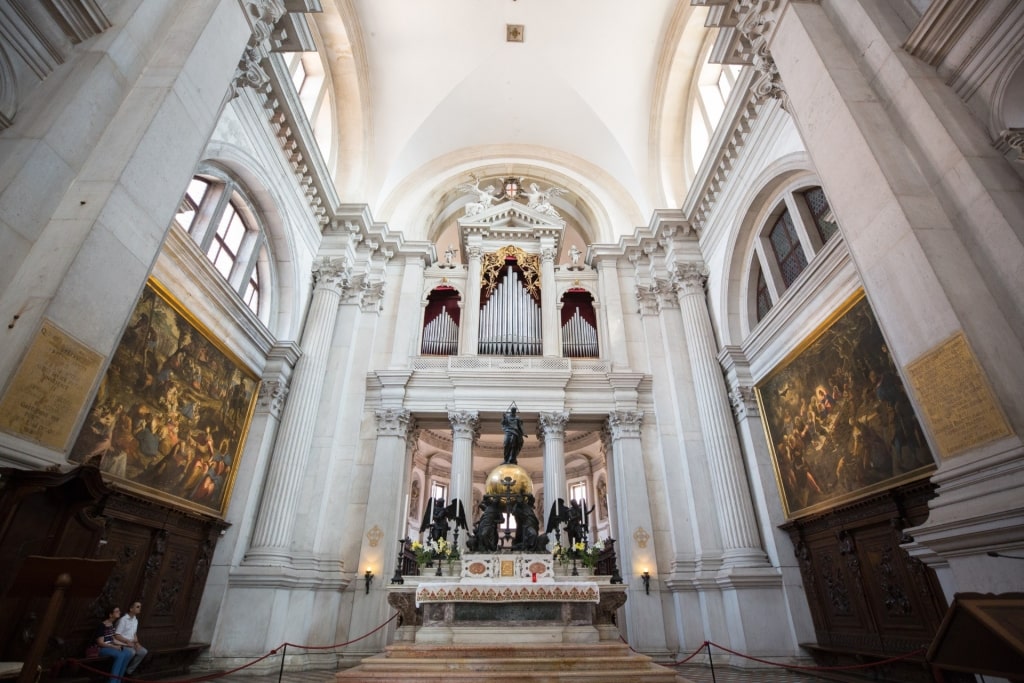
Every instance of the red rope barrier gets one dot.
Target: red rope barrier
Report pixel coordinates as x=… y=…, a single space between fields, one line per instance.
x=221 y=674
x=850 y=667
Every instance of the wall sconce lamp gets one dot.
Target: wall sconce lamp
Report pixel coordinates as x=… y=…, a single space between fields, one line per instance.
x=368 y=578
x=646 y=576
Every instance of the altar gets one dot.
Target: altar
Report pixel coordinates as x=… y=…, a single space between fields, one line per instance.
x=507 y=598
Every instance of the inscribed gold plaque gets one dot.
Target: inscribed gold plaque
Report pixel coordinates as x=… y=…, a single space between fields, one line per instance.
x=49 y=389
x=508 y=568
x=956 y=398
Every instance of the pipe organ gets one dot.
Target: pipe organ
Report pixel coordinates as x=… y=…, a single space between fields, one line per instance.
x=441 y=336
x=579 y=338
x=510 y=320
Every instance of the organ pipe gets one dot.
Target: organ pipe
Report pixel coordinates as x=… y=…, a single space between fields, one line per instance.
x=510 y=321
x=579 y=338
x=441 y=336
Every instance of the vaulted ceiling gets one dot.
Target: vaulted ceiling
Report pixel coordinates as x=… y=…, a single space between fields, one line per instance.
x=592 y=99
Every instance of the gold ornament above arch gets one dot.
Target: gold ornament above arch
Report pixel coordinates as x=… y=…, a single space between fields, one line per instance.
x=493 y=263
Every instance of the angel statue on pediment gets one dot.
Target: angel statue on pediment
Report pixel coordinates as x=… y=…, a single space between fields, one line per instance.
x=540 y=200
x=485 y=196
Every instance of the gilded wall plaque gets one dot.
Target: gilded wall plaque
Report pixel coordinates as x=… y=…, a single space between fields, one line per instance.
x=956 y=398
x=49 y=389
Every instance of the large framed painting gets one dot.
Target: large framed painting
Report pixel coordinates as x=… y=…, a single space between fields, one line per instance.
x=837 y=416
x=173 y=410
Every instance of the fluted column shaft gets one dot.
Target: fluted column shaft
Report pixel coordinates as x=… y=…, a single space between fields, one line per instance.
x=471 y=310
x=548 y=304
x=552 y=426
x=465 y=427
x=613 y=341
x=276 y=517
x=740 y=540
x=410 y=314
x=635 y=549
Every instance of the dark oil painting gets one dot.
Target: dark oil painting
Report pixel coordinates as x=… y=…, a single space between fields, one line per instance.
x=172 y=412
x=837 y=416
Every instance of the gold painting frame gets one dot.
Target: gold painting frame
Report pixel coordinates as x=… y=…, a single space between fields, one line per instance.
x=838 y=420
x=173 y=411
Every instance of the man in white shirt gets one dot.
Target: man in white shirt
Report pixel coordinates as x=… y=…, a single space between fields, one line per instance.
x=127 y=632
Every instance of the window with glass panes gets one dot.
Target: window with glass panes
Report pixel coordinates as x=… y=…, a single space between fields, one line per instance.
x=216 y=215
x=764 y=297
x=792 y=236
x=824 y=219
x=788 y=252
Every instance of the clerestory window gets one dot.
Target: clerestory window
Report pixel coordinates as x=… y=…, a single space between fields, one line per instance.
x=792 y=235
x=219 y=218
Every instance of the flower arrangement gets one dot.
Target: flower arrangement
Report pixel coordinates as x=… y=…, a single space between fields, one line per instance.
x=586 y=555
x=424 y=555
x=439 y=549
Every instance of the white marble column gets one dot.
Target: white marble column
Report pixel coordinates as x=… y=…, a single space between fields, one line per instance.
x=609 y=455
x=740 y=539
x=471 y=308
x=636 y=552
x=381 y=527
x=548 y=303
x=271 y=537
x=465 y=428
x=409 y=319
x=552 y=427
x=613 y=342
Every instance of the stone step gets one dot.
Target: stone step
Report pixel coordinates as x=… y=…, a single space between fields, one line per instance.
x=543 y=663
x=528 y=651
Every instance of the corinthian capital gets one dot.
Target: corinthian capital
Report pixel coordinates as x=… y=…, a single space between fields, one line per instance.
x=332 y=273
x=690 y=278
x=465 y=423
x=625 y=423
x=393 y=422
x=553 y=424
x=271 y=396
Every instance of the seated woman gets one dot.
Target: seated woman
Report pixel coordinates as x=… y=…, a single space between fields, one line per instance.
x=110 y=647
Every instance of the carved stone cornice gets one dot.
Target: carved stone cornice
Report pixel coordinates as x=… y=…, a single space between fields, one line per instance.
x=272 y=396
x=465 y=424
x=768 y=84
x=625 y=424
x=250 y=72
x=552 y=424
x=393 y=422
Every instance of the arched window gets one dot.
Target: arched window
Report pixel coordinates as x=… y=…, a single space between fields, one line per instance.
x=219 y=218
x=788 y=252
x=441 y=323
x=579 y=325
x=714 y=86
x=310 y=80
x=798 y=229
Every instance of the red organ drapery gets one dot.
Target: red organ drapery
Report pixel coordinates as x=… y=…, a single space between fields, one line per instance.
x=579 y=325
x=441 y=322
